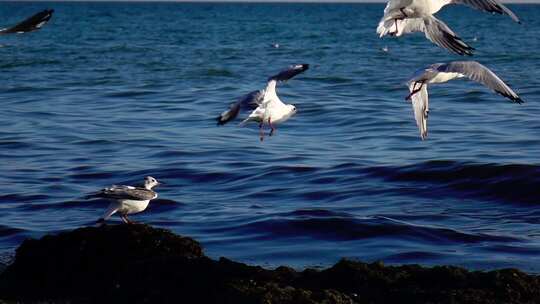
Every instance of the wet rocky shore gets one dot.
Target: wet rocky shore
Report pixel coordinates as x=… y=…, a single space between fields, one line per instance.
x=141 y=264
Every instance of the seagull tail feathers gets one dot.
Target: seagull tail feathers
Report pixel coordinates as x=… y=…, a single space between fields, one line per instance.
x=93 y=195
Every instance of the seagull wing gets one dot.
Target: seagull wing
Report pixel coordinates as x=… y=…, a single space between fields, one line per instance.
x=420 y=103
x=491 y=6
x=479 y=73
x=290 y=72
x=31 y=24
x=128 y=193
x=270 y=94
x=435 y=30
x=250 y=101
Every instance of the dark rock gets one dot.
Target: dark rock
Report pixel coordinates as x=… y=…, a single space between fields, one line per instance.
x=73 y=264
x=140 y=264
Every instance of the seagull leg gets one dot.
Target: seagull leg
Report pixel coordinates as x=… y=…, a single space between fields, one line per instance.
x=130 y=221
x=271 y=126
x=124 y=218
x=414 y=91
x=397 y=19
x=404 y=14
x=100 y=222
x=261 y=131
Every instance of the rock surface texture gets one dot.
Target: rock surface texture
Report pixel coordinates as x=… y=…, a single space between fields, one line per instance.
x=141 y=264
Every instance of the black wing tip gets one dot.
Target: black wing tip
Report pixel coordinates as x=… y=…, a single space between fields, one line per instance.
x=513 y=98
x=457 y=45
x=518 y=100
x=290 y=72
x=47 y=11
x=304 y=66
x=220 y=121
x=47 y=14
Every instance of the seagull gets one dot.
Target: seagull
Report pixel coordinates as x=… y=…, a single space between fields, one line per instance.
x=409 y=16
x=443 y=72
x=31 y=24
x=128 y=199
x=266 y=106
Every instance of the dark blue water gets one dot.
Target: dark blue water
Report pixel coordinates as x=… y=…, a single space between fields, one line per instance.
x=111 y=92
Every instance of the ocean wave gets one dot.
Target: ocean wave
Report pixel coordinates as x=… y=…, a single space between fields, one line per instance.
x=514 y=183
x=340 y=226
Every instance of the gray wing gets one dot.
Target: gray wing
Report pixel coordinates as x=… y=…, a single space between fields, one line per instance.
x=127 y=192
x=248 y=102
x=31 y=24
x=479 y=73
x=437 y=32
x=492 y=6
x=290 y=72
x=420 y=103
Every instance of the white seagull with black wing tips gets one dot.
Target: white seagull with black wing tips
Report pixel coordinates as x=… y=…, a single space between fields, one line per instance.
x=30 y=24
x=443 y=72
x=267 y=108
x=128 y=199
x=408 y=16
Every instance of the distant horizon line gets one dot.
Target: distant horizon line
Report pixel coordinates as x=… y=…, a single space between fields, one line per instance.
x=252 y=1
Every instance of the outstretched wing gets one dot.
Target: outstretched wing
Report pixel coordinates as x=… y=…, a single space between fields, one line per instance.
x=479 y=73
x=31 y=24
x=420 y=103
x=270 y=94
x=491 y=6
x=434 y=29
x=250 y=101
x=127 y=193
x=290 y=72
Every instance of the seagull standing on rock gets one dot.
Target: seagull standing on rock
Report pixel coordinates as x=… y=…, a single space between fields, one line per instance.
x=409 y=16
x=267 y=108
x=443 y=72
x=128 y=199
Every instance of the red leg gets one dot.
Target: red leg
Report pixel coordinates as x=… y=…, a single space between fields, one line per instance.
x=126 y=220
x=129 y=221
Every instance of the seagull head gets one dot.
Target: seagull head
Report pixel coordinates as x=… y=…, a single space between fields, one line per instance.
x=292 y=109
x=150 y=182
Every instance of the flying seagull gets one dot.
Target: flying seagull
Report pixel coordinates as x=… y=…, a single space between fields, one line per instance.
x=409 y=16
x=266 y=106
x=128 y=199
x=443 y=72
x=31 y=24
